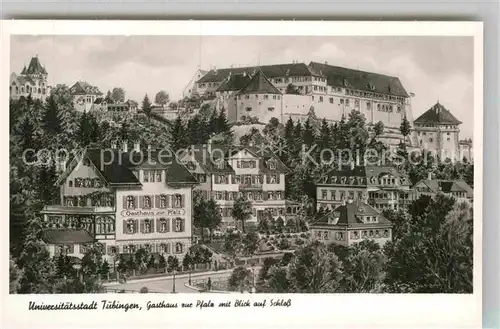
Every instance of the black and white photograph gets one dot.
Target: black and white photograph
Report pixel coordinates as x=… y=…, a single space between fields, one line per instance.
x=243 y=165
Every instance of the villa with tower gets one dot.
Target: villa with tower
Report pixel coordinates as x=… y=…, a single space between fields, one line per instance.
x=31 y=81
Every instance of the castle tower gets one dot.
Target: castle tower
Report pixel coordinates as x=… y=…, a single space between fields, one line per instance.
x=438 y=131
x=31 y=81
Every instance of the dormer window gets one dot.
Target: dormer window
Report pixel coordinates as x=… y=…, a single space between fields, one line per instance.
x=220 y=164
x=272 y=165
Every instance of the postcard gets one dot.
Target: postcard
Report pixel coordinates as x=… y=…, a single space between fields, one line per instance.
x=243 y=173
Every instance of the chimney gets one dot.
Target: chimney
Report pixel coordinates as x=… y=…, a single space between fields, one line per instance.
x=429 y=176
x=124 y=146
x=137 y=146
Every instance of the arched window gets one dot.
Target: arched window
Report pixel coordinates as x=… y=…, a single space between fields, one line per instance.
x=70 y=183
x=131 y=226
x=178 y=248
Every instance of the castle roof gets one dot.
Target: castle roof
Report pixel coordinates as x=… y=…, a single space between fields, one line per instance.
x=234 y=82
x=437 y=115
x=361 y=175
x=360 y=80
x=271 y=71
x=259 y=84
x=35 y=67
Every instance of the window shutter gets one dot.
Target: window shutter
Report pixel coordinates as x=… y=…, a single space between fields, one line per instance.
x=168 y=224
x=183 y=228
x=125 y=227
x=169 y=200
x=136 y=203
x=152 y=222
x=254 y=211
x=183 y=198
x=157 y=225
x=141 y=201
x=267 y=179
x=124 y=202
x=157 y=201
x=109 y=250
x=136 y=225
x=142 y=226
x=278 y=178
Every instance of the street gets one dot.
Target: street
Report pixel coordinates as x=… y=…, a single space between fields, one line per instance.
x=164 y=285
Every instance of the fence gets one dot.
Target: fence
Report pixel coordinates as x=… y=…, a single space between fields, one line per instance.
x=218 y=284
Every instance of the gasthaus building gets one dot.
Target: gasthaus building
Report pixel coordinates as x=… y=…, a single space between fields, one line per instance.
x=122 y=201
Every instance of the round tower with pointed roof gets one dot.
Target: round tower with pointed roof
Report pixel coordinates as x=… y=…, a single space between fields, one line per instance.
x=438 y=131
x=31 y=81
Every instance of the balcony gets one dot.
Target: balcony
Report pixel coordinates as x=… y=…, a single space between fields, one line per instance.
x=250 y=186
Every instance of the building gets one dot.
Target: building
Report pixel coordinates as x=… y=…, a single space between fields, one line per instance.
x=290 y=90
x=458 y=189
x=71 y=242
x=84 y=95
x=383 y=187
x=31 y=81
x=438 y=131
x=126 y=199
x=351 y=223
x=192 y=87
x=225 y=175
x=165 y=111
x=466 y=150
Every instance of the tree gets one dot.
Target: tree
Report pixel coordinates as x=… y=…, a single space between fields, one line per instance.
x=52 y=123
x=242 y=211
x=250 y=244
x=178 y=135
x=280 y=224
x=88 y=129
x=105 y=269
x=15 y=275
x=39 y=271
x=118 y=95
x=206 y=214
x=187 y=263
x=146 y=105
x=405 y=128
x=273 y=130
x=141 y=259
x=378 y=128
x=434 y=253
x=277 y=281
x=46 y=179
x=308 y=135
x=363 y=268
x=253 y=137
x=162 y=98
x=222 y=125
x=64 y=266
x=314 y=270
x=325 y=142
x=240 y=280
x=172 y=267
x=292 y=89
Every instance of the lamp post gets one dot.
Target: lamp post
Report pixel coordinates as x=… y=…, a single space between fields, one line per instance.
x=253 y=278
x=77 y=267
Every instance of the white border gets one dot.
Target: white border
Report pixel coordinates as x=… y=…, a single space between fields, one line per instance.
x=306 y=310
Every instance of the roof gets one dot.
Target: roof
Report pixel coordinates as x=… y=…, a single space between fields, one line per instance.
x=24 y=80
x=448 y=186
x=348 y=213
x=271 y=71
x=66 y=236
x=362 y=175
x=360 y=80
x=84 y=88
x=35 y=67
x=259 y=84
x=234 y=82
x=437 y=114
x=116 y=167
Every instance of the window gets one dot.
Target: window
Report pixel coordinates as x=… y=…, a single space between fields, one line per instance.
x=339 y=236
x=130 y=226
x=179 y=225
x=333 y=195
x=430 y=140
x=320 y=99
x=324 y=194
x=147 y=226
x=386 y=233
x=370 y=234
x=270 y=109
x=368 y=105
x=273 y=179
x=178 y=248
x=163 y=227
x=147 y=202
x=70 y=183
x=177 y=201
x=158 y=175
x=364 y=234
x=266 y=96
x=248 y=109
x=130 y=202
x=272 y=165
x=325 y=235
x=163 y=201
x=145 y=177
x=331 y=100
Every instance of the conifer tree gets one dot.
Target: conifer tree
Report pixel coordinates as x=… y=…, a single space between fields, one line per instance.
x=46 y=180
x=194 y=131
x=27 y=134
x=308 y=134
x=288 y=142
x=51 y=121
x=178 y=135
x=405 y=128
x=212 y=123
x=222 y=123
x=324 y=141
x=146 y=105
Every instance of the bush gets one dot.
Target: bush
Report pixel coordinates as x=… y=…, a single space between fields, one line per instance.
x=288 y=235
x=303 y=235
x=144 y=290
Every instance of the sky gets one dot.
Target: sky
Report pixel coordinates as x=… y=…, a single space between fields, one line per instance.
x=434 y=68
